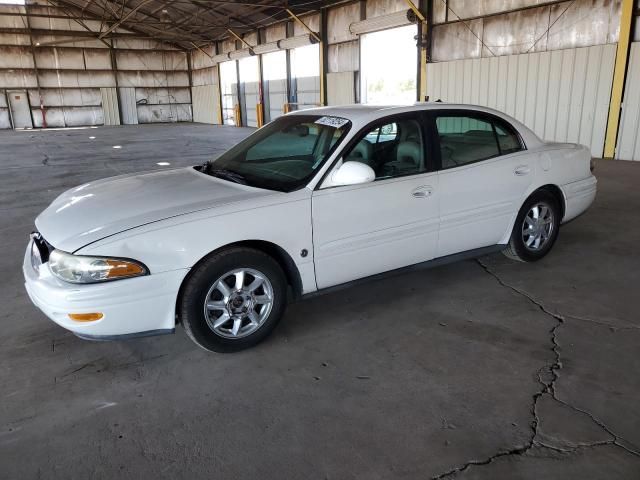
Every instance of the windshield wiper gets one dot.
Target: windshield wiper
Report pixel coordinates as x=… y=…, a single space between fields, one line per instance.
x=227 y=175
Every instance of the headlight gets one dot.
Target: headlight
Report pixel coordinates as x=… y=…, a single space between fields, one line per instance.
x=81 y=269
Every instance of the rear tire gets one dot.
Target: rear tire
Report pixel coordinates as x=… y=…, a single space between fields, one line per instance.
x=233 y=300
x=536 y=228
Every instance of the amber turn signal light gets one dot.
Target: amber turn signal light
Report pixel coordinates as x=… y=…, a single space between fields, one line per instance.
x=85 y=317
x=121 y=268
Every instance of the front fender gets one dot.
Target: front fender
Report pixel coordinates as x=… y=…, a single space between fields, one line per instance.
x=180 y=242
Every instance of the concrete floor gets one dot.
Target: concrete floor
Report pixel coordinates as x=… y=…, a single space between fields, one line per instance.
x=481 y=369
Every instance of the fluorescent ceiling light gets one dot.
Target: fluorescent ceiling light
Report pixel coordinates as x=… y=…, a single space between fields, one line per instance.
x=266 y=48
x=398 y=19
x=238 y=54
x=295 y=42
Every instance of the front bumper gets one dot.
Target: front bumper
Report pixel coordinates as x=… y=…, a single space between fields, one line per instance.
x=130 y=307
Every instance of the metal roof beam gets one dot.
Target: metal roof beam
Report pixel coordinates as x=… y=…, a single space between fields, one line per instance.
x=124 y=19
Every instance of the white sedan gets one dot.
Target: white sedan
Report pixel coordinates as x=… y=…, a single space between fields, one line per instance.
x=315 y=199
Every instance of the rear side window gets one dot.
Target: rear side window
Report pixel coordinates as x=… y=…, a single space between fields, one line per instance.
x=465 y=140
x=470 y=139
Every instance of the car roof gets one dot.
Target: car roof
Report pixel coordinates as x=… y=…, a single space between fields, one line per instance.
x=363 y=114
x=359 y=111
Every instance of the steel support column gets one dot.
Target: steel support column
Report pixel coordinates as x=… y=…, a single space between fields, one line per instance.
x=423 y=28
x=216 y=51
x=324 y=56
x=43 y=111
x=619 y=74
x=261 y=102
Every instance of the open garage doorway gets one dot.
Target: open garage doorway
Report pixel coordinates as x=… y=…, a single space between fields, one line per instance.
x=229 y=92
x=305 y=75
x=389 y=66
x=274 y=72
x=249 y=89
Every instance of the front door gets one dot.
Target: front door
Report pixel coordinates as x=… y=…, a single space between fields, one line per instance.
x=20 y=110
x=392 y=222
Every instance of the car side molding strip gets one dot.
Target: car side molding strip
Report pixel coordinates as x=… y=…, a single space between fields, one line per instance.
x=436 y=262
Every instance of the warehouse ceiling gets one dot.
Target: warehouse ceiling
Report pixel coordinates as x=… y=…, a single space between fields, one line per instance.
x=186 y=23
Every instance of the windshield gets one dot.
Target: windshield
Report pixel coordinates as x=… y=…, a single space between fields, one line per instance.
x=284 y=155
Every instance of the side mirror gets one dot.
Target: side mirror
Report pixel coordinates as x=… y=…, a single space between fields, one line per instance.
x=352 y=173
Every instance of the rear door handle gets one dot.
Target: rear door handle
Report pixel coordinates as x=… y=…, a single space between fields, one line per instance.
x=422 y=192
x=522 y=170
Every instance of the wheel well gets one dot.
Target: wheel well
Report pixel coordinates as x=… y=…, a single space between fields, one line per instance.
x=556 y=192
x=276 y=252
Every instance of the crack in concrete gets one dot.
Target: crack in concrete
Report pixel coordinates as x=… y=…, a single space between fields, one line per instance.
x=574 y=449
x=548 y=387
x=613 y=328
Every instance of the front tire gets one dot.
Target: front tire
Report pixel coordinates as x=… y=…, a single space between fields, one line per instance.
x=233 y=300
x=536 y=228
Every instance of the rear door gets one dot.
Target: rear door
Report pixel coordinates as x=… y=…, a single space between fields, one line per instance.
x=483 y=174
x=392 y=222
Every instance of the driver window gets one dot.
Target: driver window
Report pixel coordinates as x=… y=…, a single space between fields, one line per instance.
x=392 y=150
x=384 y=133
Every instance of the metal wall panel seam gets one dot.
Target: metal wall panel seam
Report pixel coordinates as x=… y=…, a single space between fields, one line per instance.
x=577 y=107
x=628 y=147
x=600 y=53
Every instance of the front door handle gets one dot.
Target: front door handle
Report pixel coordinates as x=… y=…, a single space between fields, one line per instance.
x=522 y=170
x=422 y=192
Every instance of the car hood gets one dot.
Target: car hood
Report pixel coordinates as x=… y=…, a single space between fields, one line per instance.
x=102 y=208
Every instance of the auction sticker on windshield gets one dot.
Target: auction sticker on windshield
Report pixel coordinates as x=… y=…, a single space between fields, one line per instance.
x=335 y=122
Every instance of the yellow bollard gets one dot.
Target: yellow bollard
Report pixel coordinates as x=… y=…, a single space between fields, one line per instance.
x=260 y=114
x=237 y=114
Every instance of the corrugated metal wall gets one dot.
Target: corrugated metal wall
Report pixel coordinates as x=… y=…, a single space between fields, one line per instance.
x=205 y=92
x=205 y=104
x=110 y=108
x=129 y=112
x=4 y=111
x=341 y=88
x=72 y=74
x=628 y=136
x=251 y=91
x=277 y=91
x=479 y=29
x=562 y=95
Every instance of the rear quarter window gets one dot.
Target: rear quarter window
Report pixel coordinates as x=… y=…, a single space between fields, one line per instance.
x=508 y=139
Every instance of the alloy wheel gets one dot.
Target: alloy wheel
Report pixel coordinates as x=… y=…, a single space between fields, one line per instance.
x=538 y=226
x=238 y=303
